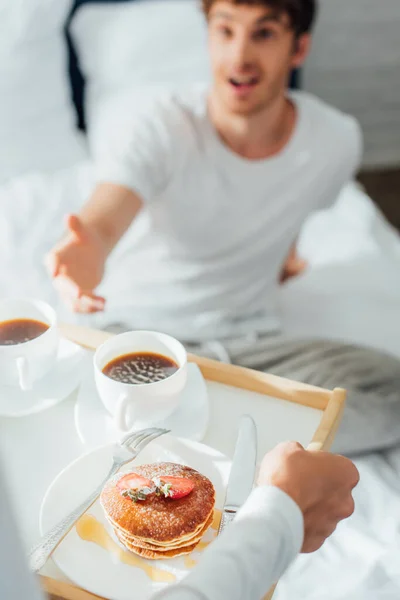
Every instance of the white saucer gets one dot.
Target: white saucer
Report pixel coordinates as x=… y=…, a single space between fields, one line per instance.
x=96 y=427
x=104 y=571
x=58 y=384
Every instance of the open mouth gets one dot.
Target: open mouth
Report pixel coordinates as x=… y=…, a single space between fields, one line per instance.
x=243 y=82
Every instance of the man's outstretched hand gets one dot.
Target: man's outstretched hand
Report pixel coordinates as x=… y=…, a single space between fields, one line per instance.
x=76 y=265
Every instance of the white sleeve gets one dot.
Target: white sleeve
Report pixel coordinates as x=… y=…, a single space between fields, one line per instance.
x=250 y=556
x=141 y=152
x=344 y=163
x=353 y=145
x=16 y=581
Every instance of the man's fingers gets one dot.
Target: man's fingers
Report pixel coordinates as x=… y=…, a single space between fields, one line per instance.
x=342 y=471
x=76 y=227
x=78 y=300
x=292 y=269
x=90 y=296
x=315 y=541
x=288 y=447
x=347 y=508
x=90 y=303
x=296 y=266
x=346 y=472
x=86 y=307
x=52 y=263
x=68 y=290
x=354 y=475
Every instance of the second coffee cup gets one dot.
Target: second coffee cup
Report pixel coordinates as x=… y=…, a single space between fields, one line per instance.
x=139 y=377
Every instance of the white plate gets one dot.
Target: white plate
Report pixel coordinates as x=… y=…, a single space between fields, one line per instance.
x=54 y=387
x=100 y=570
x=96 y=427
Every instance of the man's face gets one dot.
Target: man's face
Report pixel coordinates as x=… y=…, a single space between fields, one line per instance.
x=253 y=51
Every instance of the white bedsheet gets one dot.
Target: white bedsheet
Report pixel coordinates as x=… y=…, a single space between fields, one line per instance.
x=361 y=560
x=351 y=291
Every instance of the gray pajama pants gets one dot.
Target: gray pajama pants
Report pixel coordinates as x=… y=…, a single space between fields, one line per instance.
x=371 y=420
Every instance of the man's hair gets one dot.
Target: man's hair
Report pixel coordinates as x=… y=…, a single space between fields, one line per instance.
x=301 y=13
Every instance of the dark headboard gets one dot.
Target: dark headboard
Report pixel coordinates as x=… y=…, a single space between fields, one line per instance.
x=77 y=80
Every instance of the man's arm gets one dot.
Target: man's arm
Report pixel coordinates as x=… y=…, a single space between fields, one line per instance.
x=301 y=498
x=110 y=212
x=136 y=162
x=250 y=556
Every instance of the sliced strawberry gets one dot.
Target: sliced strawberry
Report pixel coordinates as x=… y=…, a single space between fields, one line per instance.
x=132 y=481
x=176 y=487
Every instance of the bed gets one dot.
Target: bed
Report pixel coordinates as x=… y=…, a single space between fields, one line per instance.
x=351 y=290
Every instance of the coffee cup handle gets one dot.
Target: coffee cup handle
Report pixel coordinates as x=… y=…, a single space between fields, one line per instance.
x=121 y=419
x=23 y=373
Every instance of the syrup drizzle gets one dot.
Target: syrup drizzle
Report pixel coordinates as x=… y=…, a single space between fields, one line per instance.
x=90 y=529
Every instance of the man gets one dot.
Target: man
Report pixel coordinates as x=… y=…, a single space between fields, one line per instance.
x=300 y=498
x=217 y=184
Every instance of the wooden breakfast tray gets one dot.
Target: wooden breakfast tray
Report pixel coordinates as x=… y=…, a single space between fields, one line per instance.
x=329 y=402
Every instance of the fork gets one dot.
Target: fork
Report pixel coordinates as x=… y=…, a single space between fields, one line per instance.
x=123 y=452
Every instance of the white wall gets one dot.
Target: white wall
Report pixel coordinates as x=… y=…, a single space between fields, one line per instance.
x=355 y=65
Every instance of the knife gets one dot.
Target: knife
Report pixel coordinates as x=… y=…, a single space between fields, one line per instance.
x=243 y=468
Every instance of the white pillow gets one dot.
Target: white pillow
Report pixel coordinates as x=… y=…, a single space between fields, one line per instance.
x=37 y=120
x=128 y=50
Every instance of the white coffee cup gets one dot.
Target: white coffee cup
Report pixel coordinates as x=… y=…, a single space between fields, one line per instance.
x=23 y=364
x=140 y=405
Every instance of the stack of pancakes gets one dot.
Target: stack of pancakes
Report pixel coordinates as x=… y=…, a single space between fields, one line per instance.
x=160 y=527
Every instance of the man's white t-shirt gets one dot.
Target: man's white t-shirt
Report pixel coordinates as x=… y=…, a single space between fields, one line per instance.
x=203 y=258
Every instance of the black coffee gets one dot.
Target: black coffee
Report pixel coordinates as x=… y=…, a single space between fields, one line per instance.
x=18 y=331
x=140 y=367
